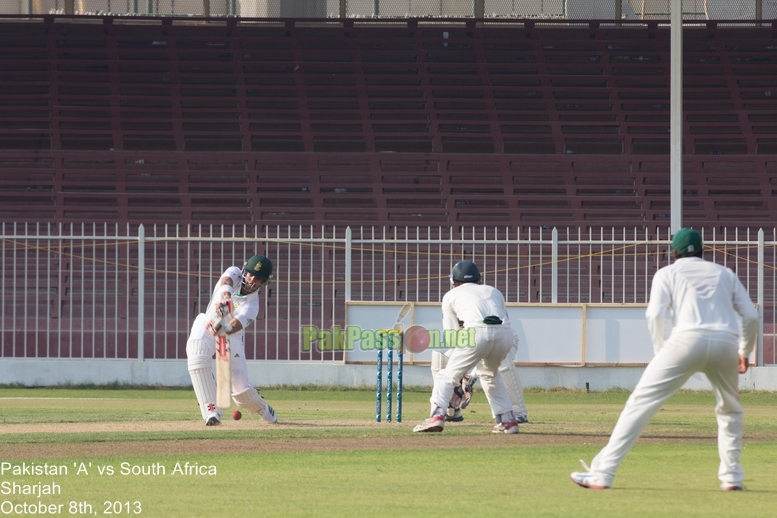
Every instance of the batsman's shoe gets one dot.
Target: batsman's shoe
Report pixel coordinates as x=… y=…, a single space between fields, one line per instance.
x=510 y=427
x=436 y=423
x=212 y=421
x=454 y=415
x=522 y=418
x=732 y=487
x=268 y=414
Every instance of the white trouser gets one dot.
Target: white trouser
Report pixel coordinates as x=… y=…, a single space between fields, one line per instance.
x=492 y=343
x=200 y=348
x=509 y=376
x=684 y=354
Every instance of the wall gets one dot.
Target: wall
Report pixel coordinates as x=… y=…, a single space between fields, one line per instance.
x=270 y=373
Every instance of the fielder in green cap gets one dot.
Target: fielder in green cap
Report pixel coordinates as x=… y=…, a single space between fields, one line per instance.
x=687 y=242
x=693 y=318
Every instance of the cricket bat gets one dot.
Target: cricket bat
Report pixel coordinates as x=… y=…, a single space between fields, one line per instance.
x=223 y=374
x=224 y=359
x=402 y=314
x=398 y=327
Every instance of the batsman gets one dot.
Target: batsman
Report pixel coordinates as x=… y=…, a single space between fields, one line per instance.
x=233 y=306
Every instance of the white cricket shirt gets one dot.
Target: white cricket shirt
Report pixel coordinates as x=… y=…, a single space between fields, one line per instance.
x=701 y=295
x=471 y=303
x=244 y=307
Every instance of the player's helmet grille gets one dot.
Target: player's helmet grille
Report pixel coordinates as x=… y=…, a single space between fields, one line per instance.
x=465 y=271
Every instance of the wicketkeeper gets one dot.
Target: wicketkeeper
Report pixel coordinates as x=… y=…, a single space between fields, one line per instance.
x=242 y=287
x=462 y=393
x=482 y=310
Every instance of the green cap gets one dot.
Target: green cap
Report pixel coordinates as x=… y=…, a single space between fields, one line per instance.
x=259 y=266
x=687 y=241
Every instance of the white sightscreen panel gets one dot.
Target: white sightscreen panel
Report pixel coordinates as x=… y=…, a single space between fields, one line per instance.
x=617 y=335
x=370 y=317
x=548 y=334
x=383 y=316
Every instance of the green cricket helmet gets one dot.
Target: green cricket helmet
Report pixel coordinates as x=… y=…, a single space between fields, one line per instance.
x=258 y=266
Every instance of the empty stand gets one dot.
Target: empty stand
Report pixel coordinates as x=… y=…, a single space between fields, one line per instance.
x=408 y=122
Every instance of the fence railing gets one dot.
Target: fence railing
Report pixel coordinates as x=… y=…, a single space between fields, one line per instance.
x=101 y=291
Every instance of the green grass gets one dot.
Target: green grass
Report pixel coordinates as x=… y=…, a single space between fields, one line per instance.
x=518 y=482
x=385 y=470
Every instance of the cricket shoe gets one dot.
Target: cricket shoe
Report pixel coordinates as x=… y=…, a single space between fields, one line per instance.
x=436 y=423
x=521 y=419
x=268 y=414
x=589 y=479
x=510 y=427
x=732 y=487
x=454 y=415
x=212 y=421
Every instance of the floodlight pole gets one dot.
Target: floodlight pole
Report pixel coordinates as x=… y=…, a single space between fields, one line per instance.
x=676 y=116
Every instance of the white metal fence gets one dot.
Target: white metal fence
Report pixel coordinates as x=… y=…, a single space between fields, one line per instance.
x=100 y=291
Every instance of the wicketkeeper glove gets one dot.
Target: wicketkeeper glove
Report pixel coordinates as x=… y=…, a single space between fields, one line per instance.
x=466 y=388
x=463 y=392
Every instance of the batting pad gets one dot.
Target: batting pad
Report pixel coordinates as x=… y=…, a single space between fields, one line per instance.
x=254 y=403
x=205 y=390
x=512 y=381
x=199 y=354
x=439 y=361
x=201 y=373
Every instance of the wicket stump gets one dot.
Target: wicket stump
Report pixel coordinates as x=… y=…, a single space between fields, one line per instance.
x=386 y=341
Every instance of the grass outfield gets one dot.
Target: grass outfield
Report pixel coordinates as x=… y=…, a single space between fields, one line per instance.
x=147 y=452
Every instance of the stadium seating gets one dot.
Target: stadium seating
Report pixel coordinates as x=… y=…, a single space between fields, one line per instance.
x=405 y=122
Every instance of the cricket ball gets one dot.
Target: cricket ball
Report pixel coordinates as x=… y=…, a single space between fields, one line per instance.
x=236 y=415
x=416 y=339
